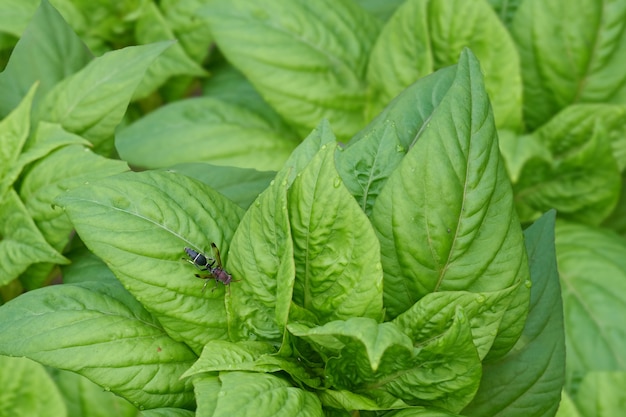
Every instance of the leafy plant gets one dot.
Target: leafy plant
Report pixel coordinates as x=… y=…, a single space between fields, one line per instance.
x=387 y=275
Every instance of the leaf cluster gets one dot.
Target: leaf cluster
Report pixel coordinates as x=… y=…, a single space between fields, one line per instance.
x=382 y=268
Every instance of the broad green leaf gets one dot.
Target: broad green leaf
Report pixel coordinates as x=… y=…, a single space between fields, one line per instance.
x=47 y=52
x=519 y=150
x=581 y=178
x=85 y=266
x=505 y=9
x=573 y=52
x=435 y=311
x=381 y=9
x=420 y=412
x=445 y=218
x=99 y=331
x=229 y=85
x=375 y=152
x=349 y=401
x=592 y=266
x=240 y=185
x=15 y=15
x=219 y=355
x=93 y=101
x=14 y=130
x=193 y=33
x=153 y=27
x=84 y=398
x=62 y=170
x=139 y=225
x=47 y=138
x=28 y=390
x=313 y=60
x=251 y=356
x=360 y=350
x=262 y=251
x=319 y=137
x=533 y=371
x=21 y=243
x=336 y=253
x=168 y=412
x=236 y=394
x=204 y=129
x=567 y=408
x=602 y=394
x=367 y=356
x=424 y=36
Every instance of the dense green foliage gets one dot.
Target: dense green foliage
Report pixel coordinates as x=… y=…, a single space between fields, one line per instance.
x=379 y=179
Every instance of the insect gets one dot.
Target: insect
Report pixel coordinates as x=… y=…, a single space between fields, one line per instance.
x=212 y=265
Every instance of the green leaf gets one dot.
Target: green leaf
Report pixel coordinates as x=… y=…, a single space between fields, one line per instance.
x=99 y=331
x=262 y=251
x=445 y=218
x=47 y=138
x=28 y=390
x=84 y=398
x=204 y=129
x=519 y=150
x=319 y=137
x=505 y=9
x=229 y=85
x=360 y=350
x=602 y=394
x=252 y=356
x=193 y=33
x=375 y=152
x=21 y=243
x=139 y=224
x=85 y=266
x=153 y=27
x=15 y=15
x=592 y=69
x=47 y=52
x=533 y=371
x=168 y=412
x=235 y=394
x=424 y=36
x=336 y=253
x=14 y=130
x=240 y=185
x=420 y=412
x=92 y=102
x=62 y=170
x=313 y=60
x=435 y=311
x=349 y=401
x=366 y=356
x=581 y=178
x=592 y=266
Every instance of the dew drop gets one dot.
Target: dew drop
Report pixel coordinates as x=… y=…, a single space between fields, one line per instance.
x=107 y=389
x=480 y=299
x=323 y=147
x=528 y=283
x=337 y=182
x=257 y=203
x=400 y=148
x=272 y=182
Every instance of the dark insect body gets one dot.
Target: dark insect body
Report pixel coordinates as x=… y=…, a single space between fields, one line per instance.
x=212 y=265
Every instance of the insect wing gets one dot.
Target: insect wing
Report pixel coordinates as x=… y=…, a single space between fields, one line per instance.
x=216 y=253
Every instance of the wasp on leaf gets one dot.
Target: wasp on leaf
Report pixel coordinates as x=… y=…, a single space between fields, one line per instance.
x=212 y=265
